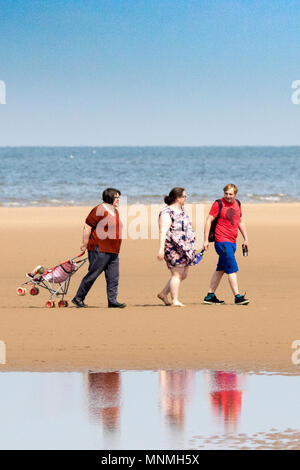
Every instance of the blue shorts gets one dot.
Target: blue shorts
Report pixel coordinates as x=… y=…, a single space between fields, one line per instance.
x=227 y=261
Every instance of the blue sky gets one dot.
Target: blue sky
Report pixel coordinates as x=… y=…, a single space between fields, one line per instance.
x=149 y=72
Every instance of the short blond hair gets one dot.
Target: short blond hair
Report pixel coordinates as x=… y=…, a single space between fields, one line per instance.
x=230 y=186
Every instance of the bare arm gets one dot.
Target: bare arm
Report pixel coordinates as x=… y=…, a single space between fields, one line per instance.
x=85 y=237
x=242 y=229
x=164 y=225
x=207 y=226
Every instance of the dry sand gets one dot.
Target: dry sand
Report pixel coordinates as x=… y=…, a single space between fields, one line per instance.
x=148 y=335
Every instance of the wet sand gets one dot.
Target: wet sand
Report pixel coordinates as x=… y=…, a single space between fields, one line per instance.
x=148 y=335
x=273 y=440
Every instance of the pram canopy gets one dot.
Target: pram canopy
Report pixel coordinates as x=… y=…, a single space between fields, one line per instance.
x=60 y=273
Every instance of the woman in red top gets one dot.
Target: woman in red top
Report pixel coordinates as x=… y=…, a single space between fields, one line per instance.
x=102 y=237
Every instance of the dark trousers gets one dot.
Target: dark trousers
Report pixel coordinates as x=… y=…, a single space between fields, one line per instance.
x=99 y=262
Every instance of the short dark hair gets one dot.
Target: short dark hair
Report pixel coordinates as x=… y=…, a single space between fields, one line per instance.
x=108 y=195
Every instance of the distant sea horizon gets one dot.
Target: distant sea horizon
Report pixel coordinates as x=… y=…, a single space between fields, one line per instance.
x=149 y=146
x=76 y=176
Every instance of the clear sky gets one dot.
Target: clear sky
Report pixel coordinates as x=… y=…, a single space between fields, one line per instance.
x=149 y=72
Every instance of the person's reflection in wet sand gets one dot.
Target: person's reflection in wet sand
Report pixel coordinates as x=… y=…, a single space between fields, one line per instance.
x=225 y=393
x=104 y=392
x=175 y=387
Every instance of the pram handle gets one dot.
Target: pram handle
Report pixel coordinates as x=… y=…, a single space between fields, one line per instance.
x=78 y=256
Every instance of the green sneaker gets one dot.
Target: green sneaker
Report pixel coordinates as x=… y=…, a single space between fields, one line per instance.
x=211 y=299
x=240 y=300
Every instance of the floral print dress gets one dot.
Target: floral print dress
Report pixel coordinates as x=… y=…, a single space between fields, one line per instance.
x=180 y=240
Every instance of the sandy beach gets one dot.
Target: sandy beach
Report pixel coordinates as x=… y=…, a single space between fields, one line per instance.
x=148 y=335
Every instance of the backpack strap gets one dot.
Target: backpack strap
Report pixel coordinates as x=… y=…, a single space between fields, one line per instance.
x=211 y=236
x=219 y=201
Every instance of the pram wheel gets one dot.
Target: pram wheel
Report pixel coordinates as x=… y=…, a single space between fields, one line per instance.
x=63 y=303
x=50 y=304
x=34 y=291
x=21 y=291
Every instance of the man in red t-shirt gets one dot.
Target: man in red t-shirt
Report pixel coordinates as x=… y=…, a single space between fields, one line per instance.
x=226 y=232
x=102 y=237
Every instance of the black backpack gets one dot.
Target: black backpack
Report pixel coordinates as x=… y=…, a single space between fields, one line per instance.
x=211 y=236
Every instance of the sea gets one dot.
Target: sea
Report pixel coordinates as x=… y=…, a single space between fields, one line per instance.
x=72 y=176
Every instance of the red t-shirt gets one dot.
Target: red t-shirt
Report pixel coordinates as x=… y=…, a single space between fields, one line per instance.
x=106 y=230
x=228 y=223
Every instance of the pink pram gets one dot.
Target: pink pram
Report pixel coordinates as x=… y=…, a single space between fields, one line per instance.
x=59 y=275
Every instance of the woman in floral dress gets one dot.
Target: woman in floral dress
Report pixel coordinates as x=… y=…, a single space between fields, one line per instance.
x=177 y=244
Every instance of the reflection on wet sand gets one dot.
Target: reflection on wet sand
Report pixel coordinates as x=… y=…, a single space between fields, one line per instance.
x=149 y=410
x=104 y=399
x=175 y=391
x=225 y=394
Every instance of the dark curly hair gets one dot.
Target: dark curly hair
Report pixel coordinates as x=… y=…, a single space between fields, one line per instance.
x=173 y=195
